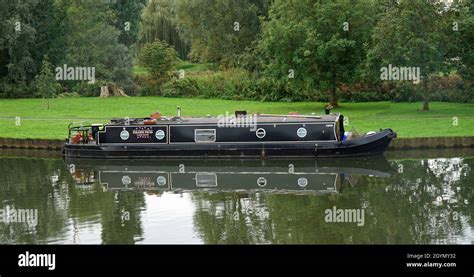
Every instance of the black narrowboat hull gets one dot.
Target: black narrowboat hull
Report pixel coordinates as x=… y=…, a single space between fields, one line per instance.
x=368 y=145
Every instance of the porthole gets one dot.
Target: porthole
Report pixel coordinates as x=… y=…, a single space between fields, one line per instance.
x=302 y=182
x=124 y=135
x=261 y=182
x=161 y=181
x=126 y=180
x=260 y=133
x=301 y=132
x=160 y=134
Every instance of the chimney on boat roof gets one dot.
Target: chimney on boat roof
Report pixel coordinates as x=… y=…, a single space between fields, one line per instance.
x=240 y=113
x=178 y=111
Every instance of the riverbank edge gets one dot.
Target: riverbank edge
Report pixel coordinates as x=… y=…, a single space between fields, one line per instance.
x=397 y=144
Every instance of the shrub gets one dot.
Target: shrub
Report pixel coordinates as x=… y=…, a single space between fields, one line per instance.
x=158 y=58
x=86 y=89
x=16 y=90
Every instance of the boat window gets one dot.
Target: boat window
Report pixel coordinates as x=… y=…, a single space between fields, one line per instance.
x=205 y=135
x=206 y=180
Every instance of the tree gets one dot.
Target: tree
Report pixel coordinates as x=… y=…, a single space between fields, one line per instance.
x=93 y=41
x=466 y=39
x=159 y=58
x=49 y=21
x=411 y=34
x=30 y=30
x=159 y=22
x=128 y=20
x=17 y=38
x=219 y=30
x=316 y=44
x=45 y=83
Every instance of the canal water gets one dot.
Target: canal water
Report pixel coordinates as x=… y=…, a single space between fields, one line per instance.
x=411 y=197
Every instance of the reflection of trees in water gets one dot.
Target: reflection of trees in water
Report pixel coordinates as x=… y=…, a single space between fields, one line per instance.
x=118 y=212
x=265 y=217
x=429 y=202
x=232 y=217
x=434 y=199
x=46 y=185
x=120 y=216
x=27 y=184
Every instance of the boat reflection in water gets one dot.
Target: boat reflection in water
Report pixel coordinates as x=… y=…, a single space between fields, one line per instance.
x=293 y=176
x=414 y=197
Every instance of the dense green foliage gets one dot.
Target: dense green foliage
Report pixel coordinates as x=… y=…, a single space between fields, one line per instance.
x=411 y=34
x=159 y=23
x=220 y=30
x=72 y=33
x=94 y=42
x=316 y=44
x=158 y=58
x=465 y=39
x=128 y=19
x=314 y=50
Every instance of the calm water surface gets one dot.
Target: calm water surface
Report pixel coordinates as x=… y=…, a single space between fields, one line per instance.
x=407 y=197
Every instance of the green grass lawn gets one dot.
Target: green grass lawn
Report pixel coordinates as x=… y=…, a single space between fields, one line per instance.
x=404 y=118
x=185 y=65
x=195 y=67
x=138 y=70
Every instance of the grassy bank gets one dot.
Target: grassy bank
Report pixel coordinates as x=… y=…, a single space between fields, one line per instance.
x=404 y=118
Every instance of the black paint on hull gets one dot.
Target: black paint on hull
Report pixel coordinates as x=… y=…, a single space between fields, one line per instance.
x=368 y=145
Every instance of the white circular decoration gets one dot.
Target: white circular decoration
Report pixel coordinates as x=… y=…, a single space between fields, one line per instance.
x=124 y=135
x=261 y=182
x=126 y=180
x=161 y=181
x=260 y=133
x=302 y=182
x=160 y=134
x=302 y=132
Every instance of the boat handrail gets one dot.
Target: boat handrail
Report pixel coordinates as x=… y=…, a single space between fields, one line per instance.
x=291 y=115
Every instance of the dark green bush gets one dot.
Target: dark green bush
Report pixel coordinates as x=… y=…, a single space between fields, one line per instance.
x=16 y=90
x=86 y=89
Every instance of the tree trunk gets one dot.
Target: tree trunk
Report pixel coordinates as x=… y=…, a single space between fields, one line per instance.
x=333 y=96
x=111 y=90
x=104 y=91
x=426 y=96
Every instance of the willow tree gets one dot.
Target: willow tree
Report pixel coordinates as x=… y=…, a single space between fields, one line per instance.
x=158 y=22
x=219 y=30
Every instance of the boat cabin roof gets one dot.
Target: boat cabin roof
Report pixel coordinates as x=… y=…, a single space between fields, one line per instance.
x=249 y=118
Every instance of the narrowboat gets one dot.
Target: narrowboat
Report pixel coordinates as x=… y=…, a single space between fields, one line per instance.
x=238 y=135
x=275 y=175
